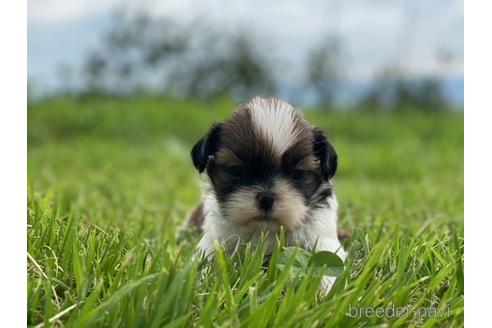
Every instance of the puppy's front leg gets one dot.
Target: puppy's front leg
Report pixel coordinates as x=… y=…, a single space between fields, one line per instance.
x=334 y=246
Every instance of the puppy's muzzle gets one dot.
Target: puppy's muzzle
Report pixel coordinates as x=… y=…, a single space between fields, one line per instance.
x=265 y=201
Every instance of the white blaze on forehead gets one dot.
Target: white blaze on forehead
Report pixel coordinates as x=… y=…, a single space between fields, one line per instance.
x=275 y=120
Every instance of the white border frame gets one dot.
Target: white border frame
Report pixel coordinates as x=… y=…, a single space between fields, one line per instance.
x=13 y=150
x=478 y=162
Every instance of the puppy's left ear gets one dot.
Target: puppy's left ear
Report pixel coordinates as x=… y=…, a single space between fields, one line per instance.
x=206 y=147
x=326 y=154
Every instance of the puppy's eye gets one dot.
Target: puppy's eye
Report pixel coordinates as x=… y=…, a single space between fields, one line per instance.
x=298 y=174
x=235 y=171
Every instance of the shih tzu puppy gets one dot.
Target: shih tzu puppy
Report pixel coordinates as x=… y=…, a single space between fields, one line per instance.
x=267 y=167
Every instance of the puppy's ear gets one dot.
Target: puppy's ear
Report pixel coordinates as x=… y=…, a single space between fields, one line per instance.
x=325 y=153
x=206 y=147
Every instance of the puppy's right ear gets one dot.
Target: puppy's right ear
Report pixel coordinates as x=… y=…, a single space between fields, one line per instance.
x=206 y=147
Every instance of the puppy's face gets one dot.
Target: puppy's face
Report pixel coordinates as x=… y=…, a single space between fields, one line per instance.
x=267 y=166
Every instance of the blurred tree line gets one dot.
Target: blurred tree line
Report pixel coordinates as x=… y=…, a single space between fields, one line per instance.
x=141 y=53
x=392 y=91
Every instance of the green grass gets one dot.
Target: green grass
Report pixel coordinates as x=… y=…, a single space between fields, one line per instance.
x=110 y=182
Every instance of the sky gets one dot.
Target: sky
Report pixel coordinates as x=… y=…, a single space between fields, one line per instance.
x=413 y=34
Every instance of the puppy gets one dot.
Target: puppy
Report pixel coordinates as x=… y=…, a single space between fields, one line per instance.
x=267 y=167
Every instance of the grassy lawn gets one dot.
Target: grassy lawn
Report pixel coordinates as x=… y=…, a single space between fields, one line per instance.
x=110 y=182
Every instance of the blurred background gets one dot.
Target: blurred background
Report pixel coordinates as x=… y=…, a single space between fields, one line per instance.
x=120 y=91
x=371 y=54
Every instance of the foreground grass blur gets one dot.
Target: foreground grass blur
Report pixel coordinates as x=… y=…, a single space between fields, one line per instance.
x=110 y=182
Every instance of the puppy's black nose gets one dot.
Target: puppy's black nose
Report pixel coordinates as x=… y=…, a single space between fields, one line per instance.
x=265 y=200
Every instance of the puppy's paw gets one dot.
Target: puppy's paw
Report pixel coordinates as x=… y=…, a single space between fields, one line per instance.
x=327 y=283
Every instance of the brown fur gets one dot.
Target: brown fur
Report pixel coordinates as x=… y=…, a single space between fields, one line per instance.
x=238 y=147
x=196 y=217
